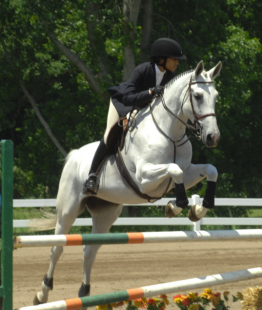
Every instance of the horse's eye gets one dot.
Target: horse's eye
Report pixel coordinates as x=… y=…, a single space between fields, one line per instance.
x=198 y=96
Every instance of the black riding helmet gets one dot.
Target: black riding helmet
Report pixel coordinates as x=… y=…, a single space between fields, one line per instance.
x=164 y=48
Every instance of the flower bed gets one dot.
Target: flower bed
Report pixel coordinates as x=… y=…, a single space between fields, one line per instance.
x=192 y=301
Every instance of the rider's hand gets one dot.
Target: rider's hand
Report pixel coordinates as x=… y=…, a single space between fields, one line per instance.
x=156 y=91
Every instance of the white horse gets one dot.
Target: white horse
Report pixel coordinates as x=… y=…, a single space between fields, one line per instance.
x=149 y=157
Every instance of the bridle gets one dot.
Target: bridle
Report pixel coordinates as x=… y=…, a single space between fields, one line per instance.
x=196 y=129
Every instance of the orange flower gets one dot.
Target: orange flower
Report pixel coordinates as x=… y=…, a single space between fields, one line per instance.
x=214 y=300
x=151 y=301
x=177 y=296
x=186 y=302
x=162 y=296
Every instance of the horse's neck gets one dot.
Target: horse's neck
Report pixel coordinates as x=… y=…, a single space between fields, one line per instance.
x=172 y=126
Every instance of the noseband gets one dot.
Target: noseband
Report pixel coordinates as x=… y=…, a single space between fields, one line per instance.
x=196 y=129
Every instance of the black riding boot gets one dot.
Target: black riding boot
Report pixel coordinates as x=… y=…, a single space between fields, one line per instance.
x=92 y=183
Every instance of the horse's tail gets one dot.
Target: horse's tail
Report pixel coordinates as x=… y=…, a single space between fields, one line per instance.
x=43 y=224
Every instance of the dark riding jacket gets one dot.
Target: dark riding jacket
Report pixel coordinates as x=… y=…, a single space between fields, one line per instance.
x=135 y=92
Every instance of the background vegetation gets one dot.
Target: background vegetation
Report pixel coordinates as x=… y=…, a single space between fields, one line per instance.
x=57 y=59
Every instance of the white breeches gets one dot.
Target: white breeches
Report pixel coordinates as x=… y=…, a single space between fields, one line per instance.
x=112 y=118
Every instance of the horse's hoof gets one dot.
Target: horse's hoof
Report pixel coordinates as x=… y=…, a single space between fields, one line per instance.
x=172 y=210
x=36 y=301
x=84 y=290
x=196 y=213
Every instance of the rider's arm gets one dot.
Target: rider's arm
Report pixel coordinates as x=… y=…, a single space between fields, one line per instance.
x=134 y=95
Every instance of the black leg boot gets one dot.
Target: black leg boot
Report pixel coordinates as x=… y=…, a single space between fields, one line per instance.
x=92 y=183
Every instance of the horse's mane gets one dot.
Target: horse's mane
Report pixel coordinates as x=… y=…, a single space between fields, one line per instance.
x=178 y=77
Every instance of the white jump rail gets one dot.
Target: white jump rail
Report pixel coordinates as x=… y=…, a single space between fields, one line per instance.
x=156 y=221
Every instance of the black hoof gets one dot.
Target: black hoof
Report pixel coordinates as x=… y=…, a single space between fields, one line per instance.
x=84 y=290
x=36 y=301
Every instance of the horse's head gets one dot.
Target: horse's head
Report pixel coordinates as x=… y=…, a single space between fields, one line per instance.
x=200 y=103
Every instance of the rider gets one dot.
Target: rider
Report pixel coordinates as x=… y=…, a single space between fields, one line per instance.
x=146 y=83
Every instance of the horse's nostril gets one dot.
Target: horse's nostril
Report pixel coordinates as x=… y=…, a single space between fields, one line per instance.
x=209 y=139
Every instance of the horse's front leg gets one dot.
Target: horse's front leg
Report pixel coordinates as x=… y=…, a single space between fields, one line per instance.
x=193 y=175
x=152 y=177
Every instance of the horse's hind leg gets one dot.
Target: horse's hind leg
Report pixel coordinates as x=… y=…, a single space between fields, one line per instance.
x=63 y=225
x=104 y=214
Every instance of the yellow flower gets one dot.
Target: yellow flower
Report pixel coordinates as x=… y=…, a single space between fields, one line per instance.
x=193 y=307
x=178 y=300
x=144 y=299
x=137 y=303
x=226 y=293
x=114 y=305
x=204 y=295
x=240 y=296
x=208 y=291
x=101 y=307
x=192 y=296
x=166 y=301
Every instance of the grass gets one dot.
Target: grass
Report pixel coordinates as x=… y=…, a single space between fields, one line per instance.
x=256 y=212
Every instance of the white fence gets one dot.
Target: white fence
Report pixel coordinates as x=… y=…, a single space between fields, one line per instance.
x=134 y=221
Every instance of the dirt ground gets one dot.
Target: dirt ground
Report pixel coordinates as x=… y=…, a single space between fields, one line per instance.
x=119 y=267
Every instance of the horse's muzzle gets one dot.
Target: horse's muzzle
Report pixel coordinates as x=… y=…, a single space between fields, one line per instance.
x=212 y=140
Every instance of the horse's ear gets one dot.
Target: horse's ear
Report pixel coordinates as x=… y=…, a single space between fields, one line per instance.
x=199 y=69
x=213 y=73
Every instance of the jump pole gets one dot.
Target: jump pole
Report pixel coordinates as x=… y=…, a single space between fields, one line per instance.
x=6 y=288
x=135 y=238
x=150 y=291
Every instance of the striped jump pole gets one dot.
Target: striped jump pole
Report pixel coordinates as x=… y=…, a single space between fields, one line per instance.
x=132 y=238
x=150 y=291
